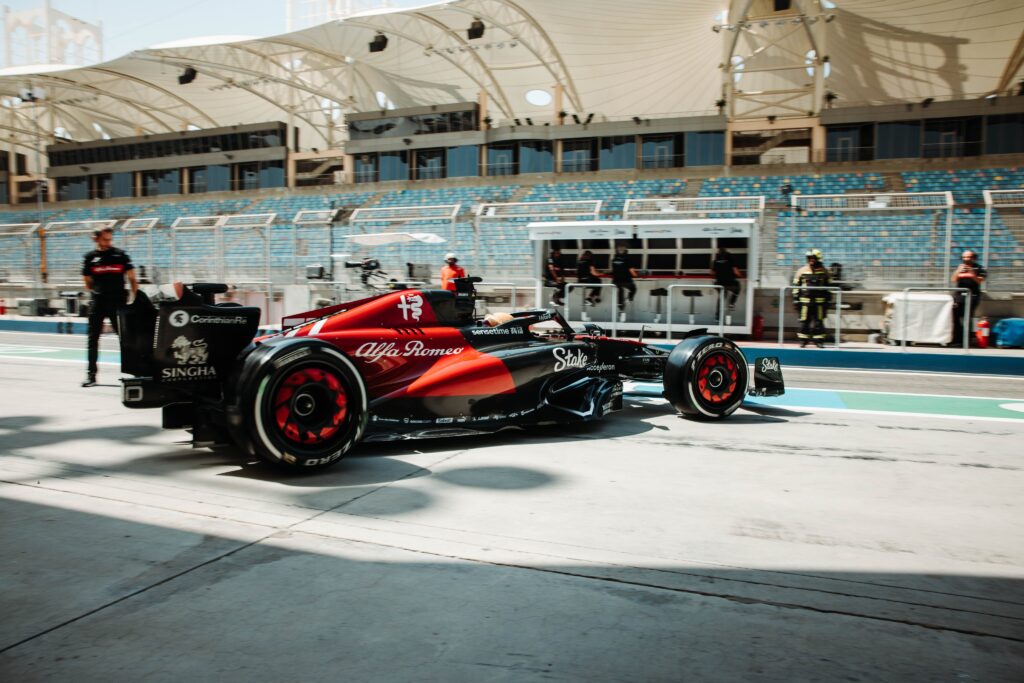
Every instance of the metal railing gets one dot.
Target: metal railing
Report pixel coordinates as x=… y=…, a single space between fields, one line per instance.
x=514 y=287
x=838 y=307
x=721 y=307
x=569 y=286
x=266 y=288
x=966 y=317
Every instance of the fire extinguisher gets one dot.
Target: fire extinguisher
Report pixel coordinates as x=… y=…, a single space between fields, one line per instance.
x=981 y=332
x=757 y=327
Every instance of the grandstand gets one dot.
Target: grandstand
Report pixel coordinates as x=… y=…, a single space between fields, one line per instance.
x=181 y=198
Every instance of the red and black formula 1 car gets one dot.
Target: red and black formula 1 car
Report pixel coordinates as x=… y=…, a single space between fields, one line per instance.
x=404 y=364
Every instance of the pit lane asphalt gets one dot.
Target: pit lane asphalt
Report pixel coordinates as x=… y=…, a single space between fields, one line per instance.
x=785 y=544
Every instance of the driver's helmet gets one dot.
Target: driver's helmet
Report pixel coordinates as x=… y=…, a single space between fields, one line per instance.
x=814 y=253
x=495 y=319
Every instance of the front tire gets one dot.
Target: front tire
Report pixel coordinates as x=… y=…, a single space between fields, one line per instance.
x=301 y=404
x=706 y=377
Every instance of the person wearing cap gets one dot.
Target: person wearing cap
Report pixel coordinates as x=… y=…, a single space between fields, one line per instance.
x=968 y=275
x=451 y=270
x=810 y=302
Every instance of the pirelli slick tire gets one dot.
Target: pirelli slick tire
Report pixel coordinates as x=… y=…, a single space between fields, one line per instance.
x=706 y=377
x=301 y=404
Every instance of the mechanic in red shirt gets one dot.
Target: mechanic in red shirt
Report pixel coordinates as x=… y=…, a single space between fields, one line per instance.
x=451 y=270
x=104 y=272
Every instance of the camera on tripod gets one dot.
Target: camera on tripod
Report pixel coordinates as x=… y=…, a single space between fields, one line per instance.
x=370 y=268
x=366 y=264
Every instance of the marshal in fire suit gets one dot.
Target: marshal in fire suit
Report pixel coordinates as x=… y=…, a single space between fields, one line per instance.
x=812 y=303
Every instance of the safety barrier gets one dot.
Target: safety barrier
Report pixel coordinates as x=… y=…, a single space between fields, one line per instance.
x=514 y=287
x=569 y=286
x=721 y=306
x=267 y=289
x=967 y=316
x=838 y=307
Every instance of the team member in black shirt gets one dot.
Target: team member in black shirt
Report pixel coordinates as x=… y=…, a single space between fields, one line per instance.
x=587 y=273
x=968 y=275
x=104 y=272
x=622 y=277
x=553 y=276
x=727 y=275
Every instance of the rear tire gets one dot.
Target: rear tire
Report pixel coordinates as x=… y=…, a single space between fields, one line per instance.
x=706 y=377
x=301 y=404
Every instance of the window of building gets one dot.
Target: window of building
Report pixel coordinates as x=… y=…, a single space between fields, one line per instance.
x=197 y=176
x=579 y=155
x=959 y=137
x=1004 y=134
x=536 y=156
x=122 y=184
x=394 y=165
x=218 y=178
x=501 y=159
x=366 y=168
x=899 y=139
x=618 y=152
x=70 y=189
x=463 y=161
x=661 y=151
x=430 y=164
x=850 y=143
x=705 y=148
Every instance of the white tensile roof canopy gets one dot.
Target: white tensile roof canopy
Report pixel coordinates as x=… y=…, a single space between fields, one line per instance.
x=616 y=59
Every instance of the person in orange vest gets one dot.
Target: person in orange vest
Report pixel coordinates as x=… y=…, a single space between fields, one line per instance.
x=451 y=270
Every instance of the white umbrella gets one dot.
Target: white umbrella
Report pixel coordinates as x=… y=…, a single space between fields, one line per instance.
x=377 y=238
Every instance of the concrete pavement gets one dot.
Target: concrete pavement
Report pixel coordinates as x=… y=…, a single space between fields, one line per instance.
x=782 y=545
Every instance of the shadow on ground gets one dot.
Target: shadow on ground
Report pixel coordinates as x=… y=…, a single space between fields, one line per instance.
x=97 y=595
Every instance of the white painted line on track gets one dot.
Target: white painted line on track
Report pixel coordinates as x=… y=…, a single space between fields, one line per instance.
x=928 y=373
x=938 y=416
x=907 y=393
x=61 y=360
x=628 y=386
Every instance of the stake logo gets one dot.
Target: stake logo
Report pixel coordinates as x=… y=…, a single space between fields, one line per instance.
x=569 y=358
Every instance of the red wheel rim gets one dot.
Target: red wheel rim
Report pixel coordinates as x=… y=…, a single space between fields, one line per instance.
x=717 y=377
x=310 y=406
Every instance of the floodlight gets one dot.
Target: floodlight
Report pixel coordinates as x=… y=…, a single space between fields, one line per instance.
x=379 y=42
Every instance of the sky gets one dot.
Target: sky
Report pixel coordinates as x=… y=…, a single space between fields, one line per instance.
x=133 y=24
